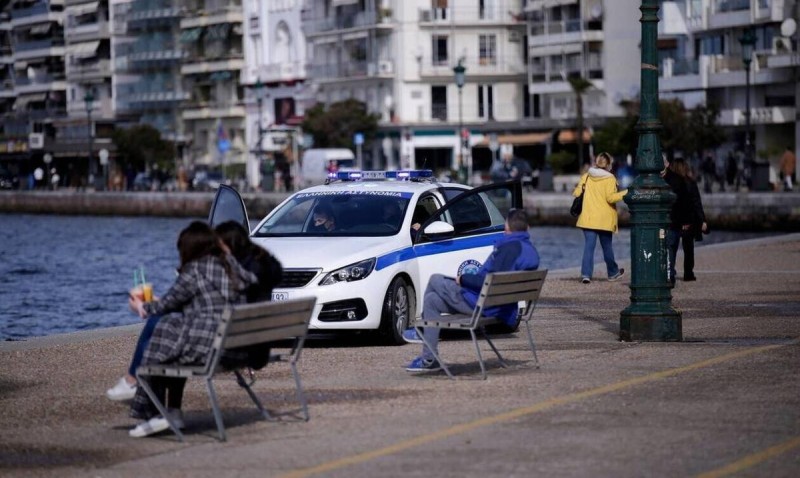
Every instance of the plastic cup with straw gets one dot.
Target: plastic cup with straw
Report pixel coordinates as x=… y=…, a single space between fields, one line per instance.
x=147 y=288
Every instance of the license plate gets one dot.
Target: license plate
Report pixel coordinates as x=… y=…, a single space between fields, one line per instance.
x=280 y=296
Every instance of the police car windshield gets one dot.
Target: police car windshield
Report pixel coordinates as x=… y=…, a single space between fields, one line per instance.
x=338 y=213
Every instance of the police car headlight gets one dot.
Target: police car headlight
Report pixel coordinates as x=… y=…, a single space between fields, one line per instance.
x=350 y=273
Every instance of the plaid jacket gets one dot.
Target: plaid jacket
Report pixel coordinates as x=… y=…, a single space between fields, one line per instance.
x=191 y=311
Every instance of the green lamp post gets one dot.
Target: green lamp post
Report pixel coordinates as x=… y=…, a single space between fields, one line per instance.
x=460 y=73
x=650 y=315
x=747 y=41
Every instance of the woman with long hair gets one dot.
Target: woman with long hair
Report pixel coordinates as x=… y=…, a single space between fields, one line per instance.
x=687 y=218
x=598 y=219
x=209 y=280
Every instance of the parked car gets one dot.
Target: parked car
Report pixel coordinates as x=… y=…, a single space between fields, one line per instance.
x=207 y=180
x=369 y=267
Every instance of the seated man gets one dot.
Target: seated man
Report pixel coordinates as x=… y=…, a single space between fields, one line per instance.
x=512 y=252
x=324 y=220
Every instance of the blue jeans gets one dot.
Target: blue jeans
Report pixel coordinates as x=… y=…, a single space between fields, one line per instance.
x=590 y=241
x=141 y=344
x=442 y=295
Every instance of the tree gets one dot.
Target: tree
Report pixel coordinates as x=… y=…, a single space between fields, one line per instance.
x=140 y=146
x=579 y=86
x=703 y=131
x=334 y=126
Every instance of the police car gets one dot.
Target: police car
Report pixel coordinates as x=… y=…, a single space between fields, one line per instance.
x=366 y=242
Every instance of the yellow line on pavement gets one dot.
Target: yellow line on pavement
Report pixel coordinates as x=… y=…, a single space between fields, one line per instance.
x=521 y=412
x=752 y=460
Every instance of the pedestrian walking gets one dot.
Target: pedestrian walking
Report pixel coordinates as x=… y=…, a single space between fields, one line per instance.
x=788 y=163
x=687 y=218
x=598 y=218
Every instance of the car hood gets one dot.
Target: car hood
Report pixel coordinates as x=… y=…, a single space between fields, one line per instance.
x=327 y=253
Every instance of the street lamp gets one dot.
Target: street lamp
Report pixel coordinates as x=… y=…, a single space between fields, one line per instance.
x=88 y=98
x=460 y=71
x=650 y=316
x=747 y=41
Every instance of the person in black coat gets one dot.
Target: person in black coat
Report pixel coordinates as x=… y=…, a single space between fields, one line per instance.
x=687 y=218
x=267 y=270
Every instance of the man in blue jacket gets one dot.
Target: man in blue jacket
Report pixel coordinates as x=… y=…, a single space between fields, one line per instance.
x=513 y=252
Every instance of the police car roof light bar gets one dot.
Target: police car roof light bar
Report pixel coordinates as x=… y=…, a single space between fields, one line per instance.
x=404 y=175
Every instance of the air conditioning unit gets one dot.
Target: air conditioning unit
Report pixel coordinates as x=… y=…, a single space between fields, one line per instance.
x=781 y=45
x=36 y=140
x=385 y=67
x=515 y=36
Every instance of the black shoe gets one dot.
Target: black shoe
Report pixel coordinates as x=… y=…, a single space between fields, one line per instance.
x=689 y=278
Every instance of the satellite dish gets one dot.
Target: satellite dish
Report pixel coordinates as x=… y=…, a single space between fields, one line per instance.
x=788 y=27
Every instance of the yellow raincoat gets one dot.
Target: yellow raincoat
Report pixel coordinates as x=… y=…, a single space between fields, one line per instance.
x=599 y=211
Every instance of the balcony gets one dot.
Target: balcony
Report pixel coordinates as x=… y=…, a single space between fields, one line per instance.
x=204 y=17
x=86 y=71
x=88 y=32
x=153 y=100
x=197 y=65
x=39 y=49
x=684 y=74
x=565 y=31
x=498 y=12
x=730 y=13
x=202 y=109
x=360 y=20
x=37 y=13
x=480 y=67
x=146 y=13
x=764 y=115
x=151 y=58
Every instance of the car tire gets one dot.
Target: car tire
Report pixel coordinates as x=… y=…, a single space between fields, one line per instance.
x=398 y=308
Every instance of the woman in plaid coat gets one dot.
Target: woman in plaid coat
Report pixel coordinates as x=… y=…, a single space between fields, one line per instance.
x=208 y=281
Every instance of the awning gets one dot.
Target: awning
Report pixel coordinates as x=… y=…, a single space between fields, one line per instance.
x=83 y=50
x=339 y=3
x=570 y=136
x=218 y=32
x=84 y=9
x=23 y=100
x=41 y=29
x=522 y=139
x=191 y=35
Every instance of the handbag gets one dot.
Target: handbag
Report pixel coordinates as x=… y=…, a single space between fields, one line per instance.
x=577 y=203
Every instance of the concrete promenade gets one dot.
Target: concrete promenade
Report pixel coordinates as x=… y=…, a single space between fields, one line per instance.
x=724 y=402
x=756 y=211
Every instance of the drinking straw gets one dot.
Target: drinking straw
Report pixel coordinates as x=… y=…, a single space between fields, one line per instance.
x=135 y=283
x=141 y=269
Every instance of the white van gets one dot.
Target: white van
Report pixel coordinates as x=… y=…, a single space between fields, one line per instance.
x=316 y=163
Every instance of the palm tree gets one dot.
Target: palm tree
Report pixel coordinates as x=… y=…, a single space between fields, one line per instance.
x=579 y=86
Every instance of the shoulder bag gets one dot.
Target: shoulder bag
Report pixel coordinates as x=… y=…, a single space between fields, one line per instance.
x=577 y=203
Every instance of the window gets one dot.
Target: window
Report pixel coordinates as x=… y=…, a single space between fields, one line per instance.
x=487 y=49
x=486 y=9
x=486 y=102
x=439 y=103
x=439 y=49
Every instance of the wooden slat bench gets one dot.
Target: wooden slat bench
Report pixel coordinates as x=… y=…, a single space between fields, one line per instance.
x=243 y=325
x=499 y=288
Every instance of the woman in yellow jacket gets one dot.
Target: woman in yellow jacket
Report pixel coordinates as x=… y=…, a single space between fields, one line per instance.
x=598 y=219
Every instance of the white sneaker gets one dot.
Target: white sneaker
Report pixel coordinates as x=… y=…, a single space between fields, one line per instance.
x=150 y=427
x=158 y=424
x=121 y=391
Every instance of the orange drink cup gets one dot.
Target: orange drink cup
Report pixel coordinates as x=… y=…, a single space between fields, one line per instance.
x=147 y=292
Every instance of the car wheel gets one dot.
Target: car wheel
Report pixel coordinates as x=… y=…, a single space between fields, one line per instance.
x=398 y=306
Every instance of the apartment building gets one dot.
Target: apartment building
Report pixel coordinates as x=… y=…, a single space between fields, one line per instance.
x=398 y=58
x=275 y=88
x=702 y=62
x=214 y=114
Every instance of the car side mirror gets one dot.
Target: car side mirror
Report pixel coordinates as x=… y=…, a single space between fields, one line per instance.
x=439 y=230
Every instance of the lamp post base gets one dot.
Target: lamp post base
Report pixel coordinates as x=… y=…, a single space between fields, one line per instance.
x=662 y=326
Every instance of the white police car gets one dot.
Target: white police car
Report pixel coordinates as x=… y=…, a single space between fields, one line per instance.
x=368 y=265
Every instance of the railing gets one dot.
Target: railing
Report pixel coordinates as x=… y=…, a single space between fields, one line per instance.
x=344 y=70
x=564 y=26
x=40 y=79
x=731 y=5
x=359 y=20
x=671 y=67
x=439 y=112
x=101 y=67
x=500 y=65
x=39 y=44
x=37 y=9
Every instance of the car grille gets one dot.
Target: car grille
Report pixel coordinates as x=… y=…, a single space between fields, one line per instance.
x=297 y=277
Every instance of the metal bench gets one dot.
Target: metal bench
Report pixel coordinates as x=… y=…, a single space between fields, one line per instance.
x=499 y=288
x=241 y=326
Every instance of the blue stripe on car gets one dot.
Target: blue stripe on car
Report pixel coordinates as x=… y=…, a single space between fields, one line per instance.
x=439 y=247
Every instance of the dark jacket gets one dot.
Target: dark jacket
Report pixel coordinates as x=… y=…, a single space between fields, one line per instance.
x=688 y=207
x=512 y=252
x=267 y=270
